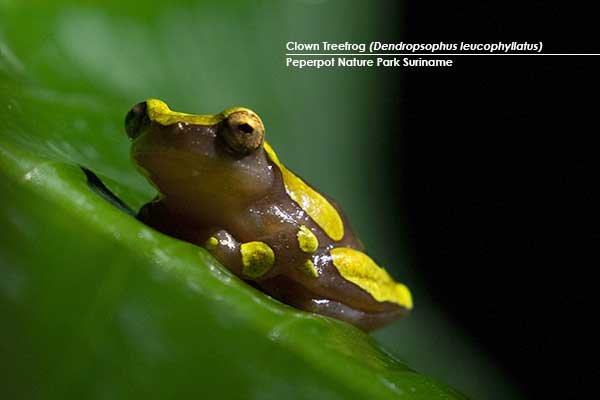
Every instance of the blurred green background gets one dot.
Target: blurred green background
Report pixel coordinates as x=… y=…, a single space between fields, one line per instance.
x=95 y=305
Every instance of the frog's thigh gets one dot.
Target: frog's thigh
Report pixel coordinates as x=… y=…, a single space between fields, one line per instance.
x=250 y=260
x=358 y=268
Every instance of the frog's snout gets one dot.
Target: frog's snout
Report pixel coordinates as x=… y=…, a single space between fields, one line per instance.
x=135 y=119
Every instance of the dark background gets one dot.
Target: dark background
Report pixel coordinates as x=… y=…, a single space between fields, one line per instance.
x=493 y=155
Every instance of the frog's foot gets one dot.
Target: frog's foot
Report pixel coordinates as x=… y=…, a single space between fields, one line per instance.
x=364 y=320
x=249 y=260
x=294 y=294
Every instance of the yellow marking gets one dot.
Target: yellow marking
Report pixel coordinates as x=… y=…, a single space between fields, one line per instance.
x=309 y=269
x=360 y=269
x=211 y=243
x=307 y=240
x=158 y=111
x=257 y=258
x=315 y=205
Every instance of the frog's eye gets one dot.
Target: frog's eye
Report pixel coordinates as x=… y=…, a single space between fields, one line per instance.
x=243 y=132
x=135 y=120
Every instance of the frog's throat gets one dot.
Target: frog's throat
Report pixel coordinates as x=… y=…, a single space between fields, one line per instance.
x=316 y=206
x=159 y=112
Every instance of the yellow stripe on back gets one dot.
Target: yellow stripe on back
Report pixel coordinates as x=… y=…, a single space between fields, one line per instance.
x=315 y=205
x=158 y=111
x=358 y=268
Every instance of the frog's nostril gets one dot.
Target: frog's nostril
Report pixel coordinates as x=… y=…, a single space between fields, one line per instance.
x=245 y=128
x=135 y=119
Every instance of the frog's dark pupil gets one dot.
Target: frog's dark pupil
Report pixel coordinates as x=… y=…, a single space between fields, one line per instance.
x=245 y=128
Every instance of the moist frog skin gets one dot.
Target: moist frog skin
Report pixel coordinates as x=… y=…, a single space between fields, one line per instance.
x=221 y=186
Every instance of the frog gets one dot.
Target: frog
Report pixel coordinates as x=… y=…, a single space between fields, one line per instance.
x=221 y=186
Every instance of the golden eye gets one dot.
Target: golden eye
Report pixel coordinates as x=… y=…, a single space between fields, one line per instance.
x=243 y=132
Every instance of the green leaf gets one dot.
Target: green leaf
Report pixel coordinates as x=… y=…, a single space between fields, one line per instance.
x=93 y=304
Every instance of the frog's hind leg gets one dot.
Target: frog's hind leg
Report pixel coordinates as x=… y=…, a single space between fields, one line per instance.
x=362 y=319
x=292 y=293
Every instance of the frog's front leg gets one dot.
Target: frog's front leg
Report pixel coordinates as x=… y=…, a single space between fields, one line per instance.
x=250 y=260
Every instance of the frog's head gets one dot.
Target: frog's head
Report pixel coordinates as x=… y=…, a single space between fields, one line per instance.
x=209 y=161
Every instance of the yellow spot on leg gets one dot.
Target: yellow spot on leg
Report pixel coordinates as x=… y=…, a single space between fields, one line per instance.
x=316 y=206
x=211 y=243
x=309 y=269
x=360 y=269
x=307 y=240
x=257 y=258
